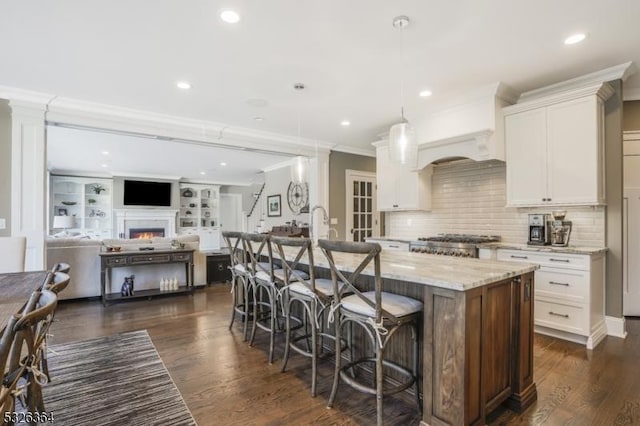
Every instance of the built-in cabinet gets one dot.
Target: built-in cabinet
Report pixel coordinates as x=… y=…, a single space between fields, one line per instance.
x=200 y=213
x=569 y=294
x=398 y=187
x=87 y=200
x=555 y=149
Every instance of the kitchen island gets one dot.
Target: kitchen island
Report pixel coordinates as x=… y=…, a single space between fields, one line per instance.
x=477 y=346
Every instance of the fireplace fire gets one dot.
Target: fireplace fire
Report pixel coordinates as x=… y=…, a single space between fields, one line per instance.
x=145 y=233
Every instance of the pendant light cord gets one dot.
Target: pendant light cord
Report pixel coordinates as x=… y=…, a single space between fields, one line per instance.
x=402 y=72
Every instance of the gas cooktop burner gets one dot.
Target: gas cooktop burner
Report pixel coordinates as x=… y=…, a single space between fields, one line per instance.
x=462 y=238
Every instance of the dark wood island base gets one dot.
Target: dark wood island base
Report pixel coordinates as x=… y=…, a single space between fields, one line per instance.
x=478 y=351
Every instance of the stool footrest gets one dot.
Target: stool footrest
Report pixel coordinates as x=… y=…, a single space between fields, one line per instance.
x=372 y=390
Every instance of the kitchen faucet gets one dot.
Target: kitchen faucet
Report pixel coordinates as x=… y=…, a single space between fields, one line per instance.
x=325 y=218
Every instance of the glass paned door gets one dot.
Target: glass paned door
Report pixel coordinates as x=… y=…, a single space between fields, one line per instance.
x=362 y=218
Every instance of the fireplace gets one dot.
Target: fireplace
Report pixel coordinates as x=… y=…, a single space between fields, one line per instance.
x=128 y=220
x=139 y=233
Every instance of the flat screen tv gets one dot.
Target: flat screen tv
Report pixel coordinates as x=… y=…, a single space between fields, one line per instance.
x=143 y=193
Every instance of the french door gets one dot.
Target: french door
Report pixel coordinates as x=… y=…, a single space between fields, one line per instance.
x=362 y=215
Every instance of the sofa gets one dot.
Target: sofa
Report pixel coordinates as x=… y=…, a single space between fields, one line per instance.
x=83 y=256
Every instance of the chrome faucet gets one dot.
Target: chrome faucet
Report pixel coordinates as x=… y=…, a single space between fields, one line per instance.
x=325 y=218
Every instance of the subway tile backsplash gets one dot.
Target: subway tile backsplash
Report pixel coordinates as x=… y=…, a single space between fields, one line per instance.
x=469 y=197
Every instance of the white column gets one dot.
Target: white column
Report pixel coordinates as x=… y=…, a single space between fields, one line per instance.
x=319 y=191
x=28 y=179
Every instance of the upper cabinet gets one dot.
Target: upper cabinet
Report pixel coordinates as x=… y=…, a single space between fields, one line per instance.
x=555 y=149
x=400 y=188
x=87 y=200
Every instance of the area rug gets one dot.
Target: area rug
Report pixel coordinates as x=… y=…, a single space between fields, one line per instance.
x=114 y=380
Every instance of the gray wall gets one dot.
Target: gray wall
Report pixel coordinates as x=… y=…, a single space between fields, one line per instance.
x=277 y=183
x=614 y=191
x=245 y=191
x=5 y=166
x=631 y=114
x=339 y=162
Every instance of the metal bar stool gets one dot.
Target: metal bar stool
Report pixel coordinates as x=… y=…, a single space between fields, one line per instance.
x=265 y=290
x=313 y=295
x=240 y=284
x=380 y=314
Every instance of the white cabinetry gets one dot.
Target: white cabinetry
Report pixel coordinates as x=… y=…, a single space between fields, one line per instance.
x=555 y=149
x=88 y=200
x=398 y=187
x=200 y=213
x=569 y=294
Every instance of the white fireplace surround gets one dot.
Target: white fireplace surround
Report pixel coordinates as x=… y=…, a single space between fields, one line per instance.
x=145 y=218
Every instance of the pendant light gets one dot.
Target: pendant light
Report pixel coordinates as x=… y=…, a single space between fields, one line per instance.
x=403 y=146
x=299 y=164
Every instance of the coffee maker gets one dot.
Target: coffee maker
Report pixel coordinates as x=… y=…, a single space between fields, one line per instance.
x=539 y=229
x=560 y=229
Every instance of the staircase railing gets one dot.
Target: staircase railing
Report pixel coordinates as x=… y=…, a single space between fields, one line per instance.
x=255 y=202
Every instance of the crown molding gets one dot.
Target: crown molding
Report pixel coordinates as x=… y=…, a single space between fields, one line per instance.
x=277 y=166
x=354 y=150
x=92 y=115
x=601 y=89
x=617 y=72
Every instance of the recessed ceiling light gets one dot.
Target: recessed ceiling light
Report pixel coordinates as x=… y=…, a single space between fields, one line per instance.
x=105 y=152
x=230 y=16
x=575 y=38
x=104 y=165
x=258 y=118
x=223 y=164
x=203 y=173
x=425 y=93
x=183 y=85
x=345 y=123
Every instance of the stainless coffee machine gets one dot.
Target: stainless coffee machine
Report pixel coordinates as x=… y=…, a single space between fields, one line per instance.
x=539 y=229
x=560 y=229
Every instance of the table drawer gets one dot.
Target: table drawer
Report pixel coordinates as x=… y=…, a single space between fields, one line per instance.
x=561 y=316
x=558 y=260
x=565 y=283
x=181 y=257
x=116 y=261
x=150 y=258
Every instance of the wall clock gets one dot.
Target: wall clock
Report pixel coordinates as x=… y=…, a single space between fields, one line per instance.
x=298 y=197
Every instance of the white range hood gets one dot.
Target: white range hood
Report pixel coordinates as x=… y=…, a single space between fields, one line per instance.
x=470 y=126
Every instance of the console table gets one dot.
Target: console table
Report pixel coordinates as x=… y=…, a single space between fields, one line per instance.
x=111 y=260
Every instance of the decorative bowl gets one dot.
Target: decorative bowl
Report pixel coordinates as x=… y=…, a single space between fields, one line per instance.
x=559 y=214
x=69 y=203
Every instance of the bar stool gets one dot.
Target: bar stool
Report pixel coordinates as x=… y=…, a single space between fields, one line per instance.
x=240 y=284
x=312 y=294
x=380 y=314
x=264 y=287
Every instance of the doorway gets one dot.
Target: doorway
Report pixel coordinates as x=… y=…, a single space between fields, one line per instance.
x=231 y=212
x=362 y=216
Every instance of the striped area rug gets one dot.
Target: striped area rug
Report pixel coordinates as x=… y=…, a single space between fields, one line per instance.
x=115 y=380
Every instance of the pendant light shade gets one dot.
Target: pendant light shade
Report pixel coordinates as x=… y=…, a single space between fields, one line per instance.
x=300 y=169
x=403 y=148
x=403 y=145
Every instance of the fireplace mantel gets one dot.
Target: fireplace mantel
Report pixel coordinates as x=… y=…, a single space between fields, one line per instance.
x=132 y=218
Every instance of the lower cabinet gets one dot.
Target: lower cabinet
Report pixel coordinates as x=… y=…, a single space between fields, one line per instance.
x=209 y=237
x=218 y=268
x=569 y=294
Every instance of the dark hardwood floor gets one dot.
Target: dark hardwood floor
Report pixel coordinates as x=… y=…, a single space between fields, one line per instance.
x=226 y=382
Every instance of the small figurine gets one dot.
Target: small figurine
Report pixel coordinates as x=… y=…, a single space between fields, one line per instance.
x=127 y=286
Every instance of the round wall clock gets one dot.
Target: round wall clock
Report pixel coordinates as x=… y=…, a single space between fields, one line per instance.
x=298 y=197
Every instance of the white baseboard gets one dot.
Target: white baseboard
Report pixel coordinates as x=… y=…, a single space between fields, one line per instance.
x=616 y=327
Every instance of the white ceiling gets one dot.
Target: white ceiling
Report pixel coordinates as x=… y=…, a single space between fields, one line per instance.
x=131 y=53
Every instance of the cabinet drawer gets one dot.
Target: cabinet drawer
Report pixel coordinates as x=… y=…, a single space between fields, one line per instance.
x=181 y=257
x=150 y=258
x=561 y=316
x=115 y=261
x=570 y=284
x=558 y=260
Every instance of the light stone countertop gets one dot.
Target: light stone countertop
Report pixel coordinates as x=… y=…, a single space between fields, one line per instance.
x=449 y=272
x=546 y=249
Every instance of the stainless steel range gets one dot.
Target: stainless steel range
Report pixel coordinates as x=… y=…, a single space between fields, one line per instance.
x=461 y=245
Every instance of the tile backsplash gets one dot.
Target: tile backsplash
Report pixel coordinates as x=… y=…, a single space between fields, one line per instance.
x=469 y=197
